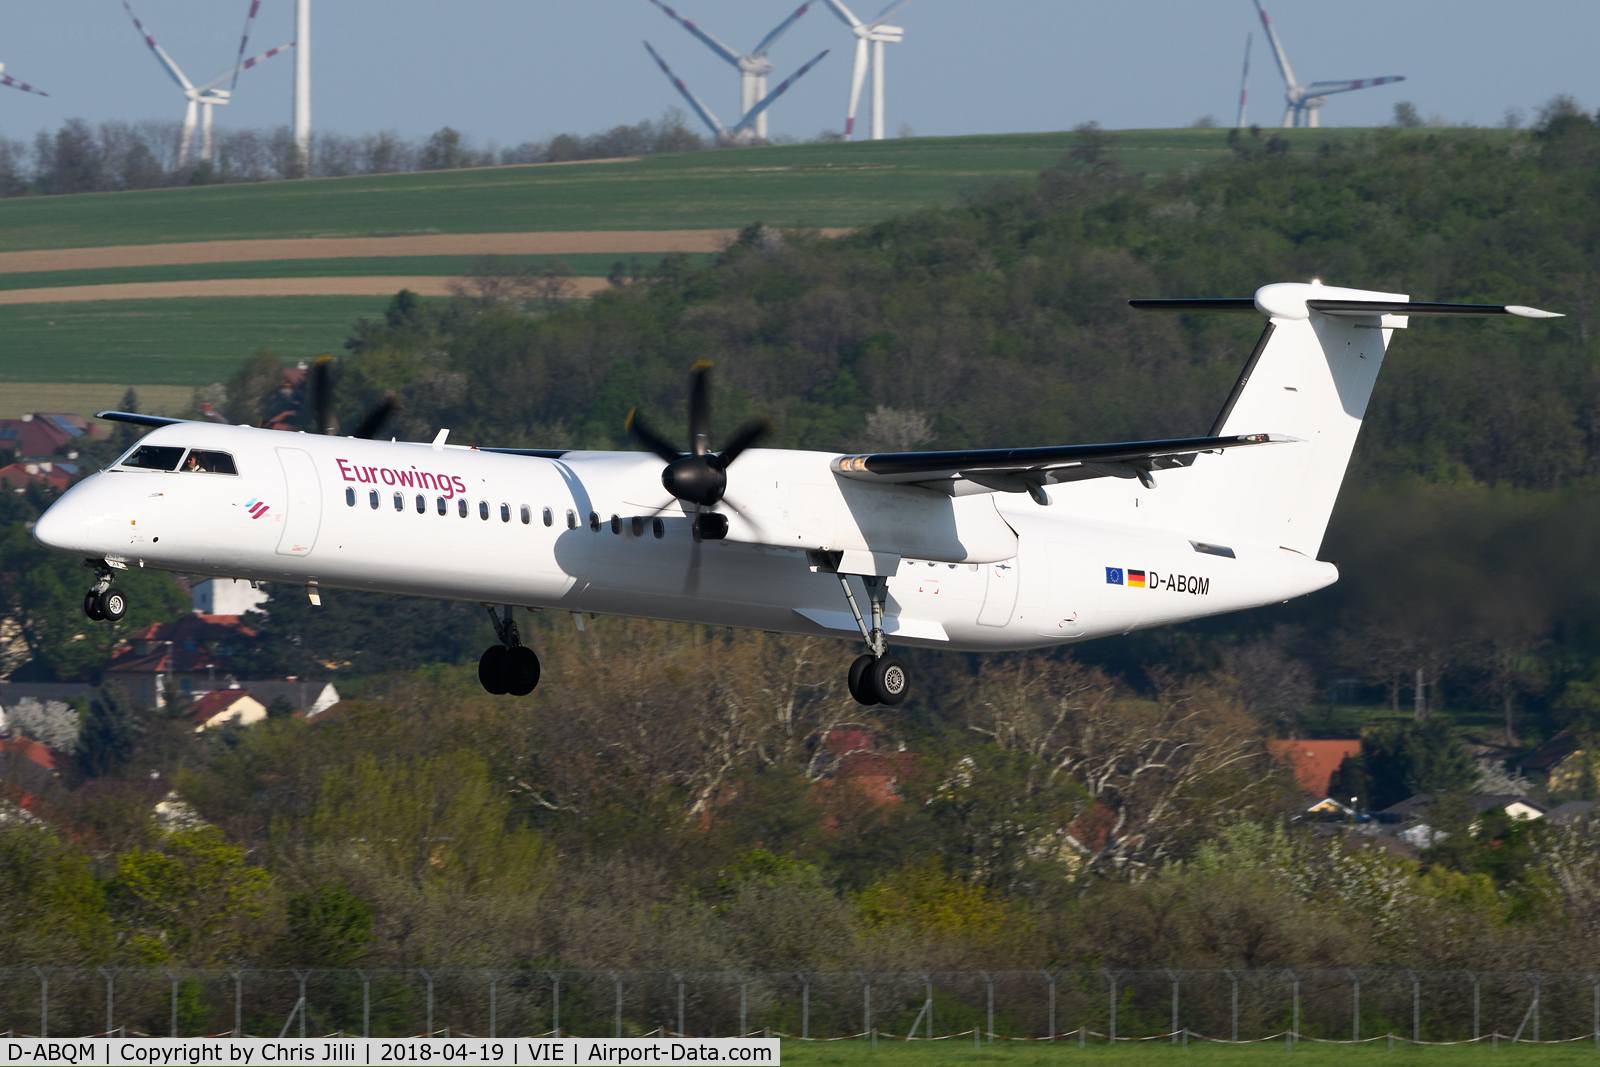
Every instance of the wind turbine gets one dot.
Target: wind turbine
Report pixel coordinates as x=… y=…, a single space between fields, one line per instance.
x=1244 y=79
x=740 y=134
x=6 y=79
x=878 y=34
x=205 y=96
x=1305 y=101
x=753 y=68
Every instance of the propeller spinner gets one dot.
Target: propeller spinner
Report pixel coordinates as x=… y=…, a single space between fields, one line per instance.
x=699 y=476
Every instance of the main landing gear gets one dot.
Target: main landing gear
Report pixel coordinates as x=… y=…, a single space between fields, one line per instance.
x=876 y=677
x=511 y=666
x=103 y=603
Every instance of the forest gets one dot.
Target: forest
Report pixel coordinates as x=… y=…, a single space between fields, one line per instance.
x=1114 y=805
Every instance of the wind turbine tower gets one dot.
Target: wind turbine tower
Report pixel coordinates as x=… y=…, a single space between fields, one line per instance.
x=1305 y=101
x=302 y=79
x=753 y=67
x=203 y=98
x=876 y=33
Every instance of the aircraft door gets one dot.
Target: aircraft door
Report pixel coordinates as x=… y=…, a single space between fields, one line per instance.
x=303 y=503
x=1070 y=592
x=1000 y=595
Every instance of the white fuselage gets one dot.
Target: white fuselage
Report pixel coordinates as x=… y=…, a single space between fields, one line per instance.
x=976 y=572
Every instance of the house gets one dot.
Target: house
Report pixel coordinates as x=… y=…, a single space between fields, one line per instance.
x=174 y=661
x=225 y=596
x=222 y=706
x=308 y=698
x=28 y=773
x=858 y=759
x=1422 y=835
x=1572 y=811
x=53 y=475
x=1314 y=762
x=1561 y=761
x=39 y=435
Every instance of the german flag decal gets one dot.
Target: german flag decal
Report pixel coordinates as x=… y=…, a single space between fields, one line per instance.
x=1136 y=579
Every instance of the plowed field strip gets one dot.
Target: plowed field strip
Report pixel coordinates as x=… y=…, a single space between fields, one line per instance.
x=383 y=285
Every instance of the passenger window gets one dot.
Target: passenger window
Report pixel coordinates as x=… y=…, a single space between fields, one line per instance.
x=399 y=502
x=154 y=458
x=505 y=512
x=616 y=525
x=527 y=515
x=483 y=510
x=638 y=526
x=442 y=506
x=572 y=519
x=594 y=521
x=422 y=504
x=372 y=498
x=461 y=507
x=349 y=496
x=549 y=519
x=658 y=528
x=200 y=462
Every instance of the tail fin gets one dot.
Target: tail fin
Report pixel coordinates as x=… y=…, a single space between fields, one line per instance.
x=1309 y=377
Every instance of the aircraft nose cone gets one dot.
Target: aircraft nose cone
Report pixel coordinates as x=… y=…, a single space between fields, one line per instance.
x=62 y=526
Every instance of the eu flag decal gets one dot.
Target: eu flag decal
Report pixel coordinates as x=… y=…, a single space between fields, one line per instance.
x=1113 y=575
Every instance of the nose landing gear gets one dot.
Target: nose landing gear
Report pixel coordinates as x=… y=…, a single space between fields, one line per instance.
x=877 y=677
x=511 y=666
x=103 y=603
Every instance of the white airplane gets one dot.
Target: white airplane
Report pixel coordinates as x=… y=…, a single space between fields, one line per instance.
x=982 y=550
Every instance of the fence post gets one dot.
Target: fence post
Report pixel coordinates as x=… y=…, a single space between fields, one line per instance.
x=1234 y=978
x=1111 y=976
x=866 y=1001
x=1538 y=979
x=493 y=974
x=1173 y=976
x=1416 y=1005
x=1476 y=1031
x=678 y=977
x=174 y=976
x=988 y=981
x=1294 y=1029
x=616 y=976
x=744 y=1001
x=428 y=978
x=805 y=1003
x=555 y=1002
x=305 y=1006
x=238 y=1001
x=1049 y=976
x=1596 y=985
x=44 y=999
x=1355 y=996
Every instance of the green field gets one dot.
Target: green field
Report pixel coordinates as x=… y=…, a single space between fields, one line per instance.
x=183 y=342
x=820 y=185
x=960 y=1053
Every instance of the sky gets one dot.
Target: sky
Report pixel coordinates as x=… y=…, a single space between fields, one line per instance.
x=509 y=71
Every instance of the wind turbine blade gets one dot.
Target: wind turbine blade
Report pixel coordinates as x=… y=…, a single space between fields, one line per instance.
x=1244 y=79
x=1329 y=88
x=246 y=65
x=161 y=53
x=766 y=101
x=1277 y=47
x=6 y=79
x=846 y=16
x=700 y=109
x=709 y=41
x=244 y=40
x=767 y=41
x=857 y=76
x=883 y=16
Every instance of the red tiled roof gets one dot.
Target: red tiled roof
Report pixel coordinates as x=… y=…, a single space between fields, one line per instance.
x=215 y=703
x=18 y=475
x=195 y=626
x=166 y=659
x=1552 y=752
x=1314 y=761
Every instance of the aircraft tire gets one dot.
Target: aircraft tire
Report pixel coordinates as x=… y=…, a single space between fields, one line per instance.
x=521 y=670
x=91 y=606
x=492 y=670
x=856 y=681
x=112 y=604
x=890 y=679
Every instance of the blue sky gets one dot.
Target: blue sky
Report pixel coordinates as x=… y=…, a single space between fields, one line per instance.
x=514 y=70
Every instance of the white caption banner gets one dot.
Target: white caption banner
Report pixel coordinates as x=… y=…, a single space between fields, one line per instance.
x=515 y=1052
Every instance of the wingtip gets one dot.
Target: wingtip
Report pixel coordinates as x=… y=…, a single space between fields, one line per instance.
x=1532 y=313
x=702 y=365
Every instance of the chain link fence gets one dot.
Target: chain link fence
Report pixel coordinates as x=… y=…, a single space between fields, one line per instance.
x=1318 y=1004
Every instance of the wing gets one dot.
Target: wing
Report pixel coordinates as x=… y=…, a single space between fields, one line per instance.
x=137 y=419
x=1026 y=470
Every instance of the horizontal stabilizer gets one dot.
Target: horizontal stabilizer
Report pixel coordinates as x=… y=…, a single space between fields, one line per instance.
x=1219 y=303
x=1346 y=308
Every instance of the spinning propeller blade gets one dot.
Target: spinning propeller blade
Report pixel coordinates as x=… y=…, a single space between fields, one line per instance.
x=326 y=410
x=698 y=476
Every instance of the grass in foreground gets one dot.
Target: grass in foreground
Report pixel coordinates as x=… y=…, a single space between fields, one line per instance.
x=184 y=342
x=958 y=1052
x=847 y=184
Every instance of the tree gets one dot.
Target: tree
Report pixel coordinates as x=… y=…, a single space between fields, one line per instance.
x=106 y=739
x=1404 y=759
x=50 y=722
x=328 y=926
x=1405 y=115
x=52 y=911
x=444 y=150
x=183 y=899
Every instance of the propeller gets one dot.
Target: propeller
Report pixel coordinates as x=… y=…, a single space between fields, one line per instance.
x=699 y=476
x=327 y=415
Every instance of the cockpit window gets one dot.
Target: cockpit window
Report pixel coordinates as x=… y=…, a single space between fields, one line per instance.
x=202 y=462
x=153 y=458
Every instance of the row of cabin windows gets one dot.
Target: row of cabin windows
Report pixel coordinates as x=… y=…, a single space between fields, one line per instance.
x=637 y=523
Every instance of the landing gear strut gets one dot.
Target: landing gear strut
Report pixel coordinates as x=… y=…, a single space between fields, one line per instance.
x=103 y=603
x=511 y=666
x=876 y=677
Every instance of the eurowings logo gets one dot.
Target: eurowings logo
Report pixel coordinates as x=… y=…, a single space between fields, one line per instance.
x=257 y=508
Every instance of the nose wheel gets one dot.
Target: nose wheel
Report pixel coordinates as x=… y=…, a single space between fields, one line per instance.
x=876 y=677
x=102 y=603
x=511 y=666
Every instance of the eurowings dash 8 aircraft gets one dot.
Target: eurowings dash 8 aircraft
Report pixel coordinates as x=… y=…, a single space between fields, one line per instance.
x=976 y=550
